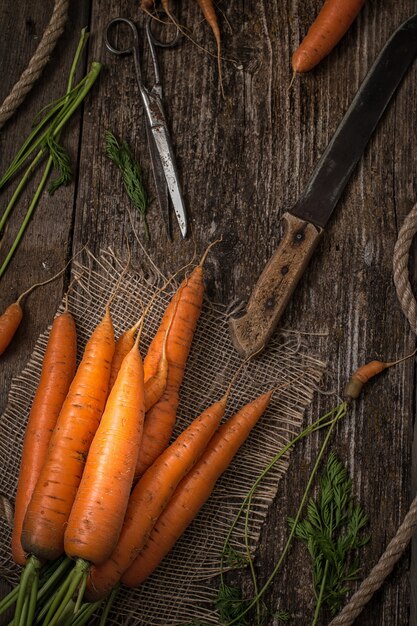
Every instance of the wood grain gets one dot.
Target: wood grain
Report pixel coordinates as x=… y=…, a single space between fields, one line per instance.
x=243 y=161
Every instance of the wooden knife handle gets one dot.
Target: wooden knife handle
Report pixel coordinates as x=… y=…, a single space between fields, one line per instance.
x=251 y=332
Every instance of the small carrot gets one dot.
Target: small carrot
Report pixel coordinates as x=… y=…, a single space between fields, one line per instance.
x=331 y=24
x=364 y=373
x=160 y=420
x=207 y=7
x=156 y=368
x=97 y=514
x=58 y=370
x=54 y=493
x=195 y=489
x=150 y=496
x=13 y=315
x=9 y=323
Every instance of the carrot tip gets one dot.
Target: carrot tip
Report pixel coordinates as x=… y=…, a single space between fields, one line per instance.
x=209 y=247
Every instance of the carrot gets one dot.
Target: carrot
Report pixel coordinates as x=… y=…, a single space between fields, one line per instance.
x=97 y=514
x=54 y=493
x=13 y=315
x=160 y=420
x=209 y=13
x=58 y=370
x=123 y=346
x=156 y=369
x=326 y=31
x=156 y=381
x=9 y=323
x=150 y=496
x=100 y=504
x=364 y=373
x=195 y=489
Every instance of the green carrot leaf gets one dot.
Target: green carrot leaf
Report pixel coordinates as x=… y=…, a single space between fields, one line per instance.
x=123 y=158
x=61 y=162
x=333 y=530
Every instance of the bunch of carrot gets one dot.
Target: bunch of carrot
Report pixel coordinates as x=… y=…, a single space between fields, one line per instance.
x=95 y=433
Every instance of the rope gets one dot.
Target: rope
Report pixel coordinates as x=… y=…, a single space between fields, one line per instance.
x=31 y=74
x=399 y=542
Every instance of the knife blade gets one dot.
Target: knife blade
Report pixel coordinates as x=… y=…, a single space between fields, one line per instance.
x=303 y=225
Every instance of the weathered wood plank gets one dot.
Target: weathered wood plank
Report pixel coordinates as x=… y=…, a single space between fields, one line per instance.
x=244 y=160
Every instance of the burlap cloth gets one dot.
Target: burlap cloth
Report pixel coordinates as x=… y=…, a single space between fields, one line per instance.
x=179 y=591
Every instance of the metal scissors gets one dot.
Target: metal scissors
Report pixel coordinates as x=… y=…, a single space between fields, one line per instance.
x=159 y=140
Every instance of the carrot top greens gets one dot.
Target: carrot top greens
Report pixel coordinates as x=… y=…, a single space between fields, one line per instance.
x=333 y=530
x=122 y=157
x=43 y=142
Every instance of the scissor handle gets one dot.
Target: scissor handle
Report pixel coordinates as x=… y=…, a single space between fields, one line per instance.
x=121 y=51
x=153 y=40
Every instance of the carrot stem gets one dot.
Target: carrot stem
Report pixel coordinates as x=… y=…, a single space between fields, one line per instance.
x=65 y=593
x=68 y=111
x=23 y=615
x=32 y=600
x=28 y=578
x=340 y=413
x=28 y=215
x=109 y=604
x=80 y=594
x=85 y=613
x=9 y=600
x=55 y=576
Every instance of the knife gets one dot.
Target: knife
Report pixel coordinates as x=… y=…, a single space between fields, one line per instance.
x=303 y=225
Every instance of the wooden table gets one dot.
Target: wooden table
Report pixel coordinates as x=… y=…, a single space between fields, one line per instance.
x=242 y=160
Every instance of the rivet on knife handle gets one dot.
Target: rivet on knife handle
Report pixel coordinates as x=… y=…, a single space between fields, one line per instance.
x=277 y=282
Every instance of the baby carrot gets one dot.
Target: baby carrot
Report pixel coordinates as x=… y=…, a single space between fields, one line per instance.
x=13 y=315
x=195 y=489
x=9 y=323
x=364 y=373
x=58 y=370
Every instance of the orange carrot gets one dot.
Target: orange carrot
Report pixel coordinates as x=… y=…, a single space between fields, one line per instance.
x=364 y=373
x=209 y=13
x=58 y=370
x=150 y=496
x=53 y=497
x=195 y=489
x=9 y=323
x=160 y=420
x=13 y=315
x=326 y=31
x=124 y=345
x=97 y=514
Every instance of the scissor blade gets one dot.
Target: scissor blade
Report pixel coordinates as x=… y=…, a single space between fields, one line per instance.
x=160 y=182
x=163 y=146
x=329 y=179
